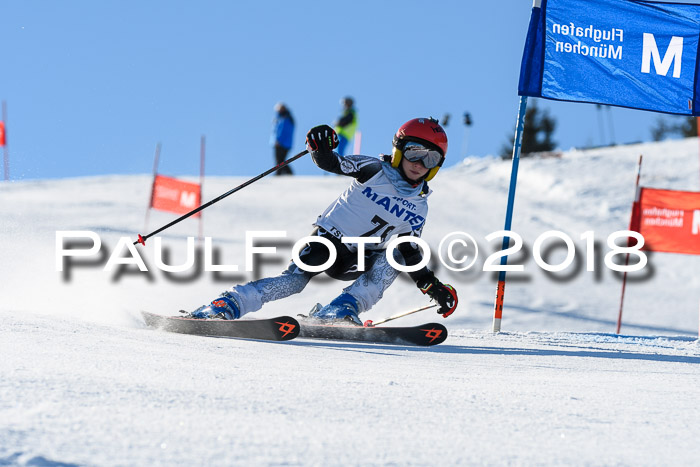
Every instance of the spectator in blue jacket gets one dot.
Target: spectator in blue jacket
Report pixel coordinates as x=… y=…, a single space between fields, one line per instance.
x=282 y=134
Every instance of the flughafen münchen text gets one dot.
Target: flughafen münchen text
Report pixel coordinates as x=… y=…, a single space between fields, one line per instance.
x=602 y=38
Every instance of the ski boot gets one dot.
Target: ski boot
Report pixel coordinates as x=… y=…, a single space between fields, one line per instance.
x=342 y=308
x=224 y=307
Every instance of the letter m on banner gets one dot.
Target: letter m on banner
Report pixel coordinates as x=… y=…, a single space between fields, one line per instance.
x=673 y=55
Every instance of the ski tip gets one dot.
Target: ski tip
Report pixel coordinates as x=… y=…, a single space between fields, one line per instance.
x=288 y=327
x=433 y=334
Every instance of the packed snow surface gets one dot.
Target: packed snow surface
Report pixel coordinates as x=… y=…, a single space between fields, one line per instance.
x=84 y=382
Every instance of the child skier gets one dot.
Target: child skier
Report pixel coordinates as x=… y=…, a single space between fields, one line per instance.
x=386 y=197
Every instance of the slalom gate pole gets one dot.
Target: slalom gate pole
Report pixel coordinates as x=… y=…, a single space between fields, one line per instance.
x=142 y=239
x=501 y=287
x=370 y=323
x=202 y=149
x=6 y=155
x=153 y=186
x=627 y=256
x=697 y=125
x=357 y=143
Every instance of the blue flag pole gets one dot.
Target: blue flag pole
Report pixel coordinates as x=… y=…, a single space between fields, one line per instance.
x=500 y=291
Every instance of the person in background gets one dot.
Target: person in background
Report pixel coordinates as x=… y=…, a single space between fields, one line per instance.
x=346 y=124
x=282 y=135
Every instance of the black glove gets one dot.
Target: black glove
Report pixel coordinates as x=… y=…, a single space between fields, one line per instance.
x=444 y=294
x=322 y=139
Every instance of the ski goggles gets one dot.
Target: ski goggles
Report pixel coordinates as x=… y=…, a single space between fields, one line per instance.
x=415 y=152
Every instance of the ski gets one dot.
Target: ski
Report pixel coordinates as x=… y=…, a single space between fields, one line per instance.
x=282 y=328
x=424 y=335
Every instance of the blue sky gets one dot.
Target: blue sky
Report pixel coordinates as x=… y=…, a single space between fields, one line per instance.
x=92 y=86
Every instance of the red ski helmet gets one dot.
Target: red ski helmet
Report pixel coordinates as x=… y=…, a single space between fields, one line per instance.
x=425 y=131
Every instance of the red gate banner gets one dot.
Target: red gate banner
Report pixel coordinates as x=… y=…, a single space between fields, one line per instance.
x=173 y=195
x=2 y=133
x=669 y=220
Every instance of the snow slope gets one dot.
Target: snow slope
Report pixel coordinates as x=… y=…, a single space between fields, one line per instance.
x=84 y=383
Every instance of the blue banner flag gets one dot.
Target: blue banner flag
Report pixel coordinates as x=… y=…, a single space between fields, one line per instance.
x=636 y=54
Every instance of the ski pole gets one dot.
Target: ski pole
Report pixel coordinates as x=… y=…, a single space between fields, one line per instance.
x=142 y=239
x=369 y=323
